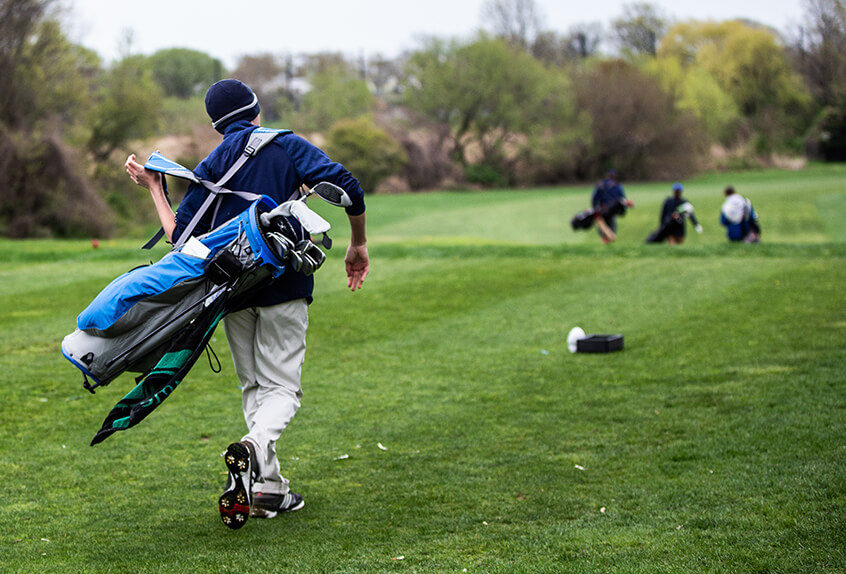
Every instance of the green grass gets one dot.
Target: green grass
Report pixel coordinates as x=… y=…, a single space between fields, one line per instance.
x=714 y=442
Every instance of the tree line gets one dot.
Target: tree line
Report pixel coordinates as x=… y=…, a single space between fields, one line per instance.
x=513 y=105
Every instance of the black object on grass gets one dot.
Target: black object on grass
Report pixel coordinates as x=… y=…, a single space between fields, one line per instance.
x=600 y=344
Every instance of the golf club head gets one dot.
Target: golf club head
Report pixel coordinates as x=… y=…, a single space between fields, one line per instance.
x=331 y=193
x=295 y=260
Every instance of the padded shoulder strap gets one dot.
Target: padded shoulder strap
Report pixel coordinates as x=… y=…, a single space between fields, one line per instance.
x=258 y=139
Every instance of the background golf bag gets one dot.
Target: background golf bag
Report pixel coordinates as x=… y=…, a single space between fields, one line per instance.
x=157 y=319
x=585 y=219
x=685 y=210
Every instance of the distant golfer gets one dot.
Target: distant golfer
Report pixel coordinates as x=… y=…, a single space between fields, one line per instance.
x=674 y=215
x=739 y=218
x=608 y=201
x=268 y=338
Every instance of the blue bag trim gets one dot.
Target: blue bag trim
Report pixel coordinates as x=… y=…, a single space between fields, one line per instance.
x=124 y=292
x=79 y=366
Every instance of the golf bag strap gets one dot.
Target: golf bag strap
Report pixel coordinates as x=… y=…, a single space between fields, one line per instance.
x=154 y=239
x=215 y=193
x=157 y=236
x=259 y=138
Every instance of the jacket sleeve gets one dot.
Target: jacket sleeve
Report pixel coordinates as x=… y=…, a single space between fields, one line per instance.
x=313 y=166
x=693 y=219
x=594 y=198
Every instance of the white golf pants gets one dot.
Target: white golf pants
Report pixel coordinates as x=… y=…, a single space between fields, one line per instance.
x=268 y=347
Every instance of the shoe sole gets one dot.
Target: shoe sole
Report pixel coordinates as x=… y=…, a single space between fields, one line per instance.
x=234 y=504
x=262 y=513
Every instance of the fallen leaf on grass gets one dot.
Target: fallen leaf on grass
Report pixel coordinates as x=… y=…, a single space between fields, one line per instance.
x=521 y=496
x=602 y=510
x=381 y=446
x=679 y=527
x=399 y=558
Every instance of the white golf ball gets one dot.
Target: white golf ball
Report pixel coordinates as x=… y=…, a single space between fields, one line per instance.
x=576 y=333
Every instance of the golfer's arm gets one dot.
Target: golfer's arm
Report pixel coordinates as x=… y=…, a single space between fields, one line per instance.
x=163 y=210
x=358 y=229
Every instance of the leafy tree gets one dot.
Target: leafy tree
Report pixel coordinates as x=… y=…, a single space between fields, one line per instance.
x=43 y=191
x=695 y=90
x=335 y=94
x=46 y=79
x=181 y=72
x=640 y=28
x=636 y=126
x=19 y=21
x=752 y=68
x=45 y=84
x=366 y=150
x=128 y=107
x=497 y=100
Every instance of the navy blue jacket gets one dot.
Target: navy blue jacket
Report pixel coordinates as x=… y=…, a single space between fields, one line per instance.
x=607 y=193
x=278 y=171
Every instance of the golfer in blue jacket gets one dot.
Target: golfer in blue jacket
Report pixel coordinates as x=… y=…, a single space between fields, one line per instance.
x=608 y=201
x=268 y=339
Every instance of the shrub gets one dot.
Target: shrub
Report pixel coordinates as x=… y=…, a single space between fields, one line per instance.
x=366 y=150
x=636 y=126
x=43 y=193
x=484 y=175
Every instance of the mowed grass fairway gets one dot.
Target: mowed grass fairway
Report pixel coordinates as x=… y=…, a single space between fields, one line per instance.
x=715 y=442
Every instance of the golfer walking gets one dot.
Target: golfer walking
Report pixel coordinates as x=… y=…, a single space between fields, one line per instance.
x=608 y=201
x=268 y=339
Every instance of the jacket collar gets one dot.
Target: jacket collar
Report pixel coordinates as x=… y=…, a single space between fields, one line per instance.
x=237 y=125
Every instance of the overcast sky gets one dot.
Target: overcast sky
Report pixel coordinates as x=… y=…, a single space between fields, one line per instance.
x=227 y=29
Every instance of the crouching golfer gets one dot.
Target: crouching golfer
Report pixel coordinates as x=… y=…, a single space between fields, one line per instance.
x=268 y=339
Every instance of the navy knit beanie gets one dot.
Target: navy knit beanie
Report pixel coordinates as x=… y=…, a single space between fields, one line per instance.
x=230 y=100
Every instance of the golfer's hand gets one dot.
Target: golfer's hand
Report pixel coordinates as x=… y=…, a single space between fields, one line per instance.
x=143 y=177
x=630 y=203
x=358 y=265
x=698 y=229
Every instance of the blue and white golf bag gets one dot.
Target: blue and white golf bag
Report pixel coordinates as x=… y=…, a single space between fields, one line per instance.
x=127 y=326
x=157 y=319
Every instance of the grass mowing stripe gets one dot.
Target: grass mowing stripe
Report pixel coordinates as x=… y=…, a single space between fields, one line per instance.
x=714 y=441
